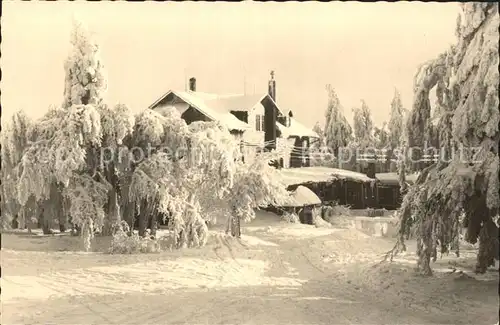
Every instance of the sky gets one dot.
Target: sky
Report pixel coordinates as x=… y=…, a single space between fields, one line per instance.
x=364 y=50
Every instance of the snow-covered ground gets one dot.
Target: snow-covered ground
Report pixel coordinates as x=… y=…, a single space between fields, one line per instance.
x=276 y=274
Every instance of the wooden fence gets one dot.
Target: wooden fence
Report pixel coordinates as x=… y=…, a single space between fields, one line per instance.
x=385 y=161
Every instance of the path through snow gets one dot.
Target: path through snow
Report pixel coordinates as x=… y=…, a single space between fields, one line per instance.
x=276 y=274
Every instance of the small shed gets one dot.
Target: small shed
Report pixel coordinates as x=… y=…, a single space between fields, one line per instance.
x=303 y=202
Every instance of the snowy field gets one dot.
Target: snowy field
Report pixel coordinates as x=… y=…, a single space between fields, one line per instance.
x=276 y=274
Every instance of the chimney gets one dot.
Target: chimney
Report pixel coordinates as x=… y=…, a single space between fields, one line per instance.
x=270 y=117
x=192 y=84
x=272 y=87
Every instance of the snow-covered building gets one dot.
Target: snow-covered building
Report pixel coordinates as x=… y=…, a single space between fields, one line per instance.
x=256 y=120
x=342 y=186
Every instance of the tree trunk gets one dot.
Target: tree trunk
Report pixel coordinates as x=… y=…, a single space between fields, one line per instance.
x=143 y=223
x=337 y=162
x=129 y=215
x=58 y=210
x=29 y=224
x=236 y=226
x=45 y=222
x=228 y=224
x=113 y=213
x=77 y=230
x=153 y=216
x=148 y=217
x=143 y=218
x=113 y=206
x=154 y=224
x=488 y=246
x=21 y=219
x=62 y=227
x=61 y=208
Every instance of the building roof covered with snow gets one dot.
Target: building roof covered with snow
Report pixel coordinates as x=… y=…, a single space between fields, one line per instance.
x=236 y=103
x=295 y=128
x=237 y=111
x=302 y=196
x=199 y=102
x=295 y=176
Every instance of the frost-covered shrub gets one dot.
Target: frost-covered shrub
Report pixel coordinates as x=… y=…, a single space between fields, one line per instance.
x=320 y=222
x=336 y=215
x=122 y=243
x=290 y=217
x=335 y=210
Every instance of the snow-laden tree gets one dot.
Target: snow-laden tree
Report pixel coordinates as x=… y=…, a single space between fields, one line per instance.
x=402 y=166
x=468 y=79
x=320 y=131
x=396 y=121
x=256 y=184
x=84 y=82
x=318 y=148
x=14 y=140
x=58 y=152
x=63 y=143
x=154 y=132
x=381 y=136
x=419 y=127
x=338 y=132
x=197 y=162
x=363 y=126
x=85 y=85
x=203 y=170
x=86 y=201
x=117 y=125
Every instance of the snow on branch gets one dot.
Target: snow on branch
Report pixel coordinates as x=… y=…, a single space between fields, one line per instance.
x=465 y=189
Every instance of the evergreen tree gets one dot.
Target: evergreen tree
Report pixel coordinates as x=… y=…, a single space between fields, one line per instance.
x=396 y=125
x=84 y=81
x=363 y=126
x=55 y=166
x=14 y=140
x=468 y=96
x=381 y=136
x=117 y=125
x=320 y=131
x=338 y=132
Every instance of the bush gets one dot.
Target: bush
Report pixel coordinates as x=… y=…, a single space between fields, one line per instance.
x=290 y=217
x=320 y=222
x=122 y=243
x=335 y=210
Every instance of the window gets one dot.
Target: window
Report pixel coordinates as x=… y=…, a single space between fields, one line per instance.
x=259 y=122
